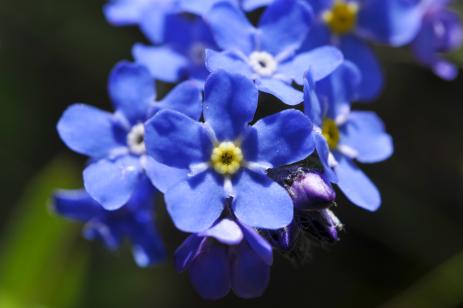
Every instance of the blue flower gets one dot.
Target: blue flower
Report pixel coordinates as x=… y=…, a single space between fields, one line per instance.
x=441 y=31
x=227 y=256
x=267 y=54
x=226 y=157
x=115 y=141
x=134 y=220
x=343 y=136
x=347 y=24
x=182 y=54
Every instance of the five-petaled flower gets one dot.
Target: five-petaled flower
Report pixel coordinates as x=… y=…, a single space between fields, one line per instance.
x=228 y=158
x=342 y=136
x=229 y=255
x=115 y=141
x=134 y=220
x=269 y=54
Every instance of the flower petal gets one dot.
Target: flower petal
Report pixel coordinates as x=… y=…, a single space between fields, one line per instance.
x=230 y=103
x=361 y=55
x=185 y=98
x=280 y=139
x=187 y=252
x=230 y=27
x=196 y=203
x=76 y=205
x=226 y=231
x=123 y=12
x=163 y=62
x=364 y=132
x=250 y=274
x=261 y=202
x=210 y=272
x=132 y=90
x=112 y=183
x=323 y=151
x=284 y=26
x=321 y=61
x=394 y=22
x=226 y=61
x=357 y=187
x=147 y=246
x=89 y=131
x=280 y=89
x=251 y=5
x=258 y=244
x=176 y=140
x=162 y=176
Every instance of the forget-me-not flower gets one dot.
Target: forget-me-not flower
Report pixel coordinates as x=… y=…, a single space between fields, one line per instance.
x=182 y=54
x=228 y=256
x=343 y=136
x=133 y=221
x=227 y=158
x=115 y=141
x=441 y=31
x=267 y=54
x=348 y=24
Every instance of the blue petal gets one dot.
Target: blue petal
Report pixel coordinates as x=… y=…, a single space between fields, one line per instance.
x=197 y=7
x=196 y=203
x=176 y=140
x=185 y=97
x=230 y=103
x=284 y=26
x=89 y=131
x=357 y=187
x=280 y=89
x=341 y=87
x=76 y=205
x=147 y=246
x=163 y=62
x=163 y=177
x=323 y=153
x=394 y=22
x=122 y=13
x=261 y=202
x=362 y=56
x=365 y=133
x=226 y=231
x=250 y=274
x=132 y=90
x=280 y=139
x=227 y=61
x=112 y=183
x=231 y=28
x=187 y=252
x=258 y=244
x=312 y=105
x=154 y=19
x=321 y=62
x=251 y=5
x=210 y=272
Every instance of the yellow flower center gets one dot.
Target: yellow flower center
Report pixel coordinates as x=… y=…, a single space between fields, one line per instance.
x=342 y=17
x=331 y=133
x=227 y=158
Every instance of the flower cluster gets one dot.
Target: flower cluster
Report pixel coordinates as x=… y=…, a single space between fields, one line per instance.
x=241 y=185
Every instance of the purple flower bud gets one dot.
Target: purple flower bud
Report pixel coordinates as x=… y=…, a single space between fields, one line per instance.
x=308 y=188
x=311 y=191
x=323 y=225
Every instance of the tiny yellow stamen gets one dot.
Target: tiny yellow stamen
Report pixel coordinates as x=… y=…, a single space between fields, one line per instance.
x=226 y=158
x=331 y=133
x=342 y=17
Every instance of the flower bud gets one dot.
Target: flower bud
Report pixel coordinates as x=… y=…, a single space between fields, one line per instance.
x=322 y=225
x=311 y=191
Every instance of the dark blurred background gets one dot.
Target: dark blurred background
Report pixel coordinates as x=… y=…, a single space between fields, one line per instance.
x=408 y=254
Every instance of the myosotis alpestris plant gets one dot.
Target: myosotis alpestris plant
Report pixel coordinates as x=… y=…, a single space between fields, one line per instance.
x=242 y=185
